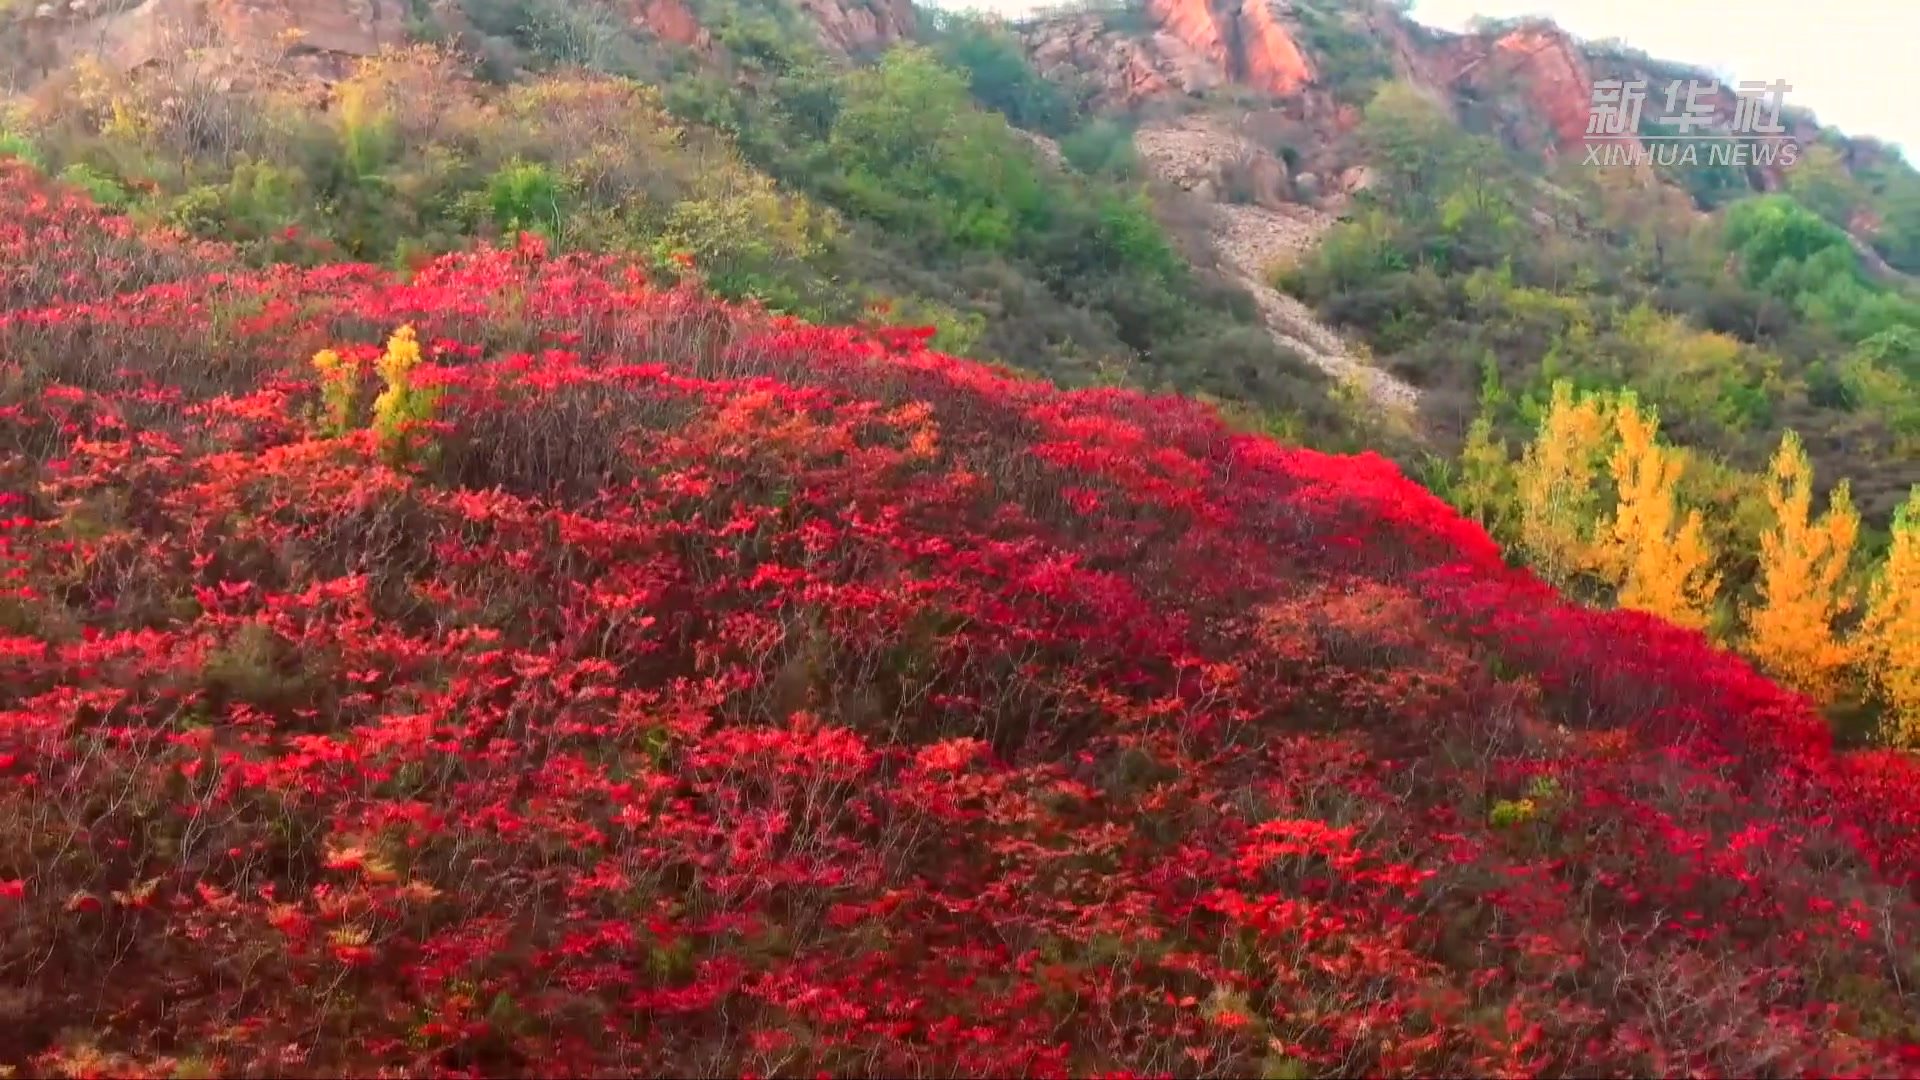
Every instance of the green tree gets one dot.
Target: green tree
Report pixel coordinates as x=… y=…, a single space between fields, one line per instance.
x=1421 y=153
x=915 y=151
x=1819 y=181
x=525 y=196
x=1483 y=487
x=1773 y=236
x=999 y=75
x=1102 y=148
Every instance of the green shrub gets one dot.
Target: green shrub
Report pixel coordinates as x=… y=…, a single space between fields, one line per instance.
x=1102 y=148
x=999 y=75
x=101 y=188
x=1356 y=61
x=955 y=332
x=526 y=197
x=200 y=210
x=13 y=145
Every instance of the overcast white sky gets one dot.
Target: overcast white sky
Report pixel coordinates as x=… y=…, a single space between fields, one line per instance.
x=1854 y=63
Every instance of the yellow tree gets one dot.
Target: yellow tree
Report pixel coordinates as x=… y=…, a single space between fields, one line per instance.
x=1660 y=568
x=1484 y=489
x=1803 y=566
x=1890 y=636
x=1555 y=485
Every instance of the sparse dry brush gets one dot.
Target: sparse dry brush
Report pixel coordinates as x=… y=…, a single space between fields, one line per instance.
x=716 y=694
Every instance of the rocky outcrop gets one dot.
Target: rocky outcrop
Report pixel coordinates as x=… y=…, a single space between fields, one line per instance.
x=1557 y=76
x=1270 y=57
x=1253 y=217
x=1535 y=74
x=1253 y=224
x=1196 y=46
x=1046 y=149
x=672 y=22
x=1421 y=58
x=267 y=29
x=312 y=38
x=1121 y=70
x=1199 y=156
x=860 y=26
x=1244 y=41
x=1188 y=47
x=1191 y=22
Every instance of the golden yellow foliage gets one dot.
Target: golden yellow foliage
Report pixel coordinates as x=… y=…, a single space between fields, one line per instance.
x=1890 y=636
x=416 y=96
x=401 y=404
x=1803 y=566
x=1660 y=569
x=1555 y=484
x=339 y=383
x=102 y=100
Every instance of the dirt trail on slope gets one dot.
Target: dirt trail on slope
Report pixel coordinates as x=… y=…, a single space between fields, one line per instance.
x=1196 y=156
x=1203 y=157
x=1251 y=240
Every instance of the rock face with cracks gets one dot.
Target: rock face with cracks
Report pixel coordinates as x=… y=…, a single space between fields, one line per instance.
x=1244 y=40
x=1189 y=46
x=860 y=26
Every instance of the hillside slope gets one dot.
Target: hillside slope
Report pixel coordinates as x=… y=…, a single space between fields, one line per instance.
x=766 y=138
x=1490 y=172
x=1198 y=157
x=595 y=678
x=1245 y=132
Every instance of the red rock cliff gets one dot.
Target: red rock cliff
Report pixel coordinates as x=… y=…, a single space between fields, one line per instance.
x=1192 y=22
x=1271 y=59
x=845 y=26
x=1560 y=84
x=1538 y=62
x=1123 y=70
x=1245 y=39
x=851 y=26
x=673 y=22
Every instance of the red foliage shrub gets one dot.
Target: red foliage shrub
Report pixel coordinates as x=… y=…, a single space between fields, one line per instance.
x=727 y=695
x=54 y=245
